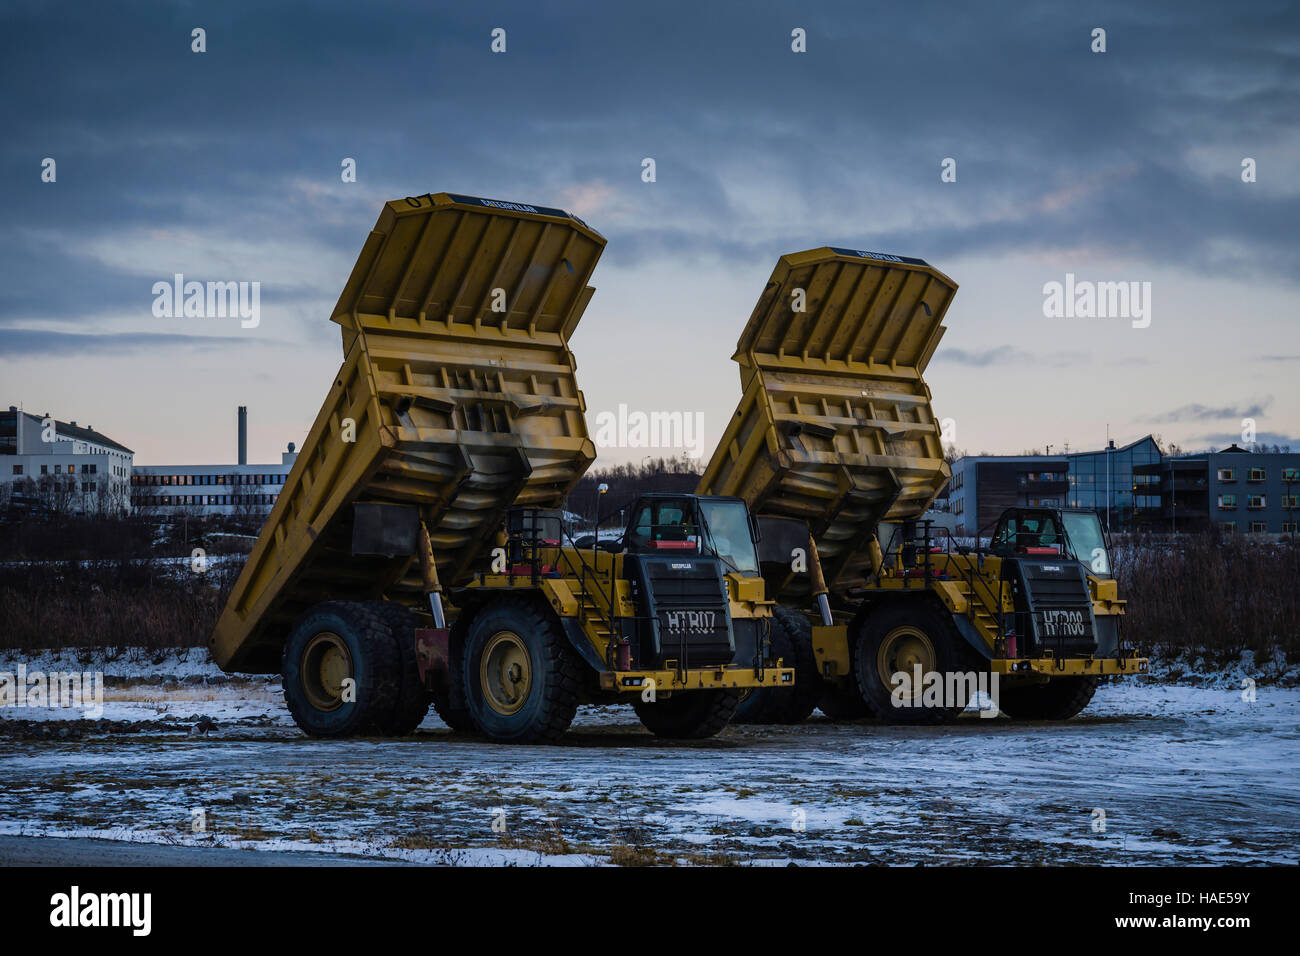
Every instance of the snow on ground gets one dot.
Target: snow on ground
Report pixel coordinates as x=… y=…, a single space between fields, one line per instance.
x=138 y=663
x=1182 y=774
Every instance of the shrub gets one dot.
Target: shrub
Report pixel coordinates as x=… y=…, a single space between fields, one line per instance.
x=1213 y=594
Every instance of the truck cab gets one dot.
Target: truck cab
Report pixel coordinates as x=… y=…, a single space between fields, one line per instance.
x=692 y=564
x=1048 y=531
x=1057 y=565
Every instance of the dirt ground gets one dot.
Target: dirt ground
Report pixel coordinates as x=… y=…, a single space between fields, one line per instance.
x=1150 y=774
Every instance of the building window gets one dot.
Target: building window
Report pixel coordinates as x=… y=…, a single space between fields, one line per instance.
x=45 y=469
x=1227 y=474
x=1255 y=502
x=18 y=469
x=1228 y=525
x=1227 y=501
x=1291 y=474
x=94 y=469
x=72 y=469
x=1288 y=527
x=1257 y=527
x=1255 y=474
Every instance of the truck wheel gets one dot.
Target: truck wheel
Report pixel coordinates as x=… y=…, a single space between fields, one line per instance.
x=411 y=705
x=1059 y=699
x=897 y=638
x=792 y=642
x=522 y=677
x=688 y=715
x=339 y=668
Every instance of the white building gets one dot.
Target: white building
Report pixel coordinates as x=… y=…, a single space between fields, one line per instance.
x=65 y=466
x=210 y=489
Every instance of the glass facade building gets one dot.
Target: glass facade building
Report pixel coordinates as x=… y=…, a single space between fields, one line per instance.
x=1105 y=482
x=1134 y=486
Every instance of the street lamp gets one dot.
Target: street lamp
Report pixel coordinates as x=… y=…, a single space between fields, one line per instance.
x=1110 y=448
x=601 y=490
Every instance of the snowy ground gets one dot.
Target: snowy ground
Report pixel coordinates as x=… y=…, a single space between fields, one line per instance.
x=1183 y=774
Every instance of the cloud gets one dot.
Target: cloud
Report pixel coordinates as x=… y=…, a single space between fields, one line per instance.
x=1009 y=355
x=30 y=342
x=1205 y=413
x=1216 y=441
x=226 y=165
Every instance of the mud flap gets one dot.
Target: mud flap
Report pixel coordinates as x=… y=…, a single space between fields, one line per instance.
x=433 y=656
x=578 y=638
x=972 y=637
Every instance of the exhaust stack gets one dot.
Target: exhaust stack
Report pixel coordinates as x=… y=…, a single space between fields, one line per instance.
x=243 y=434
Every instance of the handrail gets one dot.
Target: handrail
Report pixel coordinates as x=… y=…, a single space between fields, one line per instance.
x=605 y=615
x=990 y=602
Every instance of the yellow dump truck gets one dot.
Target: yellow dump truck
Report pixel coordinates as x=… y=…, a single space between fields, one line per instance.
x=835 y=448
x=416 y=553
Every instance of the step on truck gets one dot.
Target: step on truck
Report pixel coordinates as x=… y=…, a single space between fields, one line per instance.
x=835 y=448
x=417 y=553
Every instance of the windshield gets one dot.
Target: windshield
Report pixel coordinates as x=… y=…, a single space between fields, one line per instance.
x=1087 y=541
x=663 y=524
x=1025 y=531
x=727 y=534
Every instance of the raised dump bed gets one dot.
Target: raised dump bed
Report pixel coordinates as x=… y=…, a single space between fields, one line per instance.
x=835 y=425
x=456 y=394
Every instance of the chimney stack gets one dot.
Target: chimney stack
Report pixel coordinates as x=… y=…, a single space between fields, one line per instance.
x=243 y=434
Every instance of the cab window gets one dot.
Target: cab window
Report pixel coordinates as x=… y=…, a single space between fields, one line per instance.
x=1026 y=531
x=663 y=525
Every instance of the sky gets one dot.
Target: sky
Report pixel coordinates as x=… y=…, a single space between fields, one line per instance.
x=225 y=165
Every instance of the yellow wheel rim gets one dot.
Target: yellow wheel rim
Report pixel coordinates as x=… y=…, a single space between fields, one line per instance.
x=902 y=650
x=326 y=664
x=505 y=672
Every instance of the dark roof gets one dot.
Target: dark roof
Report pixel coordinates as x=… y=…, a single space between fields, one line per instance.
x=84 y=434
x=1133 y=444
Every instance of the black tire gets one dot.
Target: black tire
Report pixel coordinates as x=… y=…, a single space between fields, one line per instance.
x=791 y=639
x=343 y=631
x=1059 y=699
x=450 y=702
x=411 y=704
x=543 y=705
x=688 y=715
x=891 y=625
x=843 y=702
